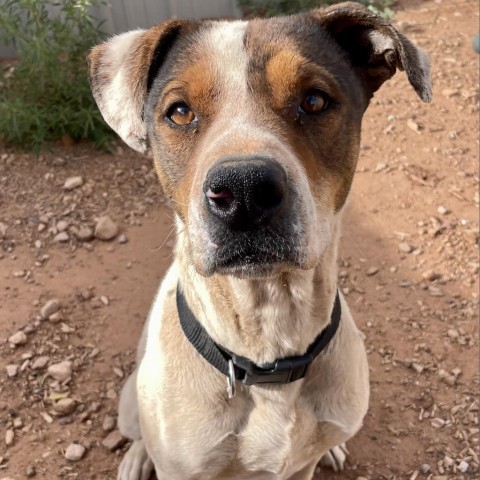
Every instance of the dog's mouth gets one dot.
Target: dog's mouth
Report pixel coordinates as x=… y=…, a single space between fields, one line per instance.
x=252 y=255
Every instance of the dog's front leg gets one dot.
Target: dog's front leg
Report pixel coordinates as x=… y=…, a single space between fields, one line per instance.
x=136 y=464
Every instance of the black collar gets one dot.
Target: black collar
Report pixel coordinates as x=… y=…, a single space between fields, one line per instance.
x=239 y=368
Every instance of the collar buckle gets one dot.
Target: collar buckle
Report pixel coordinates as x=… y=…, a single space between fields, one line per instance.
x=281 y=372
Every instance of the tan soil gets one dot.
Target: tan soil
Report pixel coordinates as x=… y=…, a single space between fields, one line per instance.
x=403 y=177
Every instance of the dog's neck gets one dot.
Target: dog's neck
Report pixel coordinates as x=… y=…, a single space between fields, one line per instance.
x=263 y=319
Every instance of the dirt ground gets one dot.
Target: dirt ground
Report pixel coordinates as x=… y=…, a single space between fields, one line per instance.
x=409 y=268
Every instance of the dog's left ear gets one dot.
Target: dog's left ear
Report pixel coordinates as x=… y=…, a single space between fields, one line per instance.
x=121 y=71
x=375 y=48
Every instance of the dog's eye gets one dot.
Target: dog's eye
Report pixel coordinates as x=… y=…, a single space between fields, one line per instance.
x=314 y=101
x=180 y=114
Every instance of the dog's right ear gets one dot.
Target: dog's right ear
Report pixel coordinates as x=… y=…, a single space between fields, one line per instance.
x=121 y=72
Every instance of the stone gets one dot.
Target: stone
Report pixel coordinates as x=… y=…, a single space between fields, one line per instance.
x=122 y=238
x=404 y=247
x=372 y=271
x=109 y=423
x=12 y=370
x=114 y=441
x=83 y=233
x=3 y=230
x=62 y=225
x=18 y=338
x=9 y=437
x=51 y=307
x=61 y=371
x=55 y=317
x=61 y=237
x=443 y=210
x=431 y=275
x=72 y=182
x=65 y=406
x=30 y=471
x=106 y=228
x=75 y=452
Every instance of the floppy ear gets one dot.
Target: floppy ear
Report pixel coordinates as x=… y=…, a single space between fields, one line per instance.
x=375 y=48
x=121 y=71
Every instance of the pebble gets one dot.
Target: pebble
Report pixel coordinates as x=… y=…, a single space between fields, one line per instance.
x=113 y=441
x=12 y=370
x=404 y=247
x=431 y=275
x=435 y=291
x=61 y=371
x=106 y=228
x=381 y=166
x=65 y=406
x=104 y=299
x=463 y=466
x=51 y=307
x=372 y=271
x=55 y=317
x=62 y=225
x=122 y=238
x=9 y=437
x=443 y=210
x=74 y=452
x=72 y=182
x=109 y=423
x=452 y=333
x=437 y=422
x=83 y=233
x=18 y=338
x=30 y=471
x=61 y=237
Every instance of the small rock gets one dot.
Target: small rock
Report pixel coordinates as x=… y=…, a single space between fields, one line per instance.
x=9 y=437
x=453 y=334
x=104 y=299
x=51 y=307
x=442 y=210
x=437 y=422
x=61 y=371
x=74 y=452
x=65 y=406
x=413 y=125
x=404 y=247
x=381 y=166
x=122 y=238
x=109 y=423
x=18 y=338
x=61 y=237
x=62 y=225
x=114 y=441
x=372 y=271
x=425 y=468
x=463 y=466
x=83 y=233
x=431 y=275
x=17 y=423
x=417 y=367
x=73 y=182
x=435 y=291
x=457 y=372
x=106 y=228
x=56 y=317
x=12 y=370
x=30 y=471
x=3 y=230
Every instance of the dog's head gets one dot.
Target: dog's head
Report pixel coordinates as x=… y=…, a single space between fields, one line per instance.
x=254 y=126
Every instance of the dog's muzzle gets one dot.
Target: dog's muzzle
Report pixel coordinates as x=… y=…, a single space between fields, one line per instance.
x=249 y=216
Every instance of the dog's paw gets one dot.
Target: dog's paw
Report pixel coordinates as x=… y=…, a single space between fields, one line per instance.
x=335 y=458
x=136 y=464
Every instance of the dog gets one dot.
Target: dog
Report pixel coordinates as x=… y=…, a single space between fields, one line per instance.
x=250 y=365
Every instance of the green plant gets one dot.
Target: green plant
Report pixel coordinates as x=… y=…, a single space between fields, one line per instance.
x=269 y=8
x=47 y=95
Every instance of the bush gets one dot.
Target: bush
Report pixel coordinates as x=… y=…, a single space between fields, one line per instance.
x=47 y=95
x=269 y=8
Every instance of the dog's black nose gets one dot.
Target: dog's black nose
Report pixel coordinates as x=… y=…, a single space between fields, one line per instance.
x=247 y=192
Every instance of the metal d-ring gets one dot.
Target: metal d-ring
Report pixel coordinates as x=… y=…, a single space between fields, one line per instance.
x=231 y=387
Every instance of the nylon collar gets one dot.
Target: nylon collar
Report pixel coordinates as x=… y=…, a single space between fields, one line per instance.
x=239 y=368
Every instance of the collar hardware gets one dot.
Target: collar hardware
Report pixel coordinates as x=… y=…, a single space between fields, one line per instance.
x=238 y=368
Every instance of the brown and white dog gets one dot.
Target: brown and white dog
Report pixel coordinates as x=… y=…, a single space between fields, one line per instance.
x=255 y=130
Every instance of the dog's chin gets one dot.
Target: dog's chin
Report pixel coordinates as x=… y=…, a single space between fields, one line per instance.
x=248 y=266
